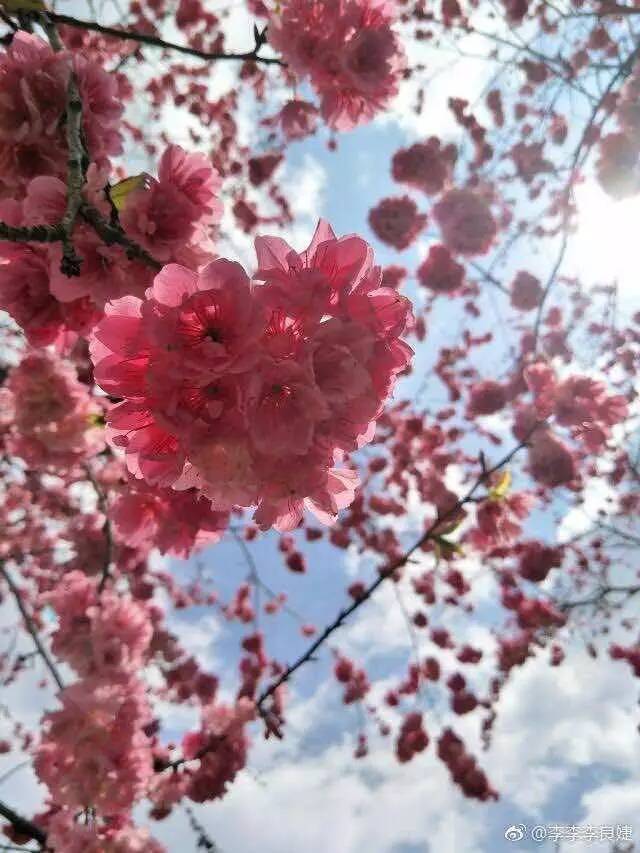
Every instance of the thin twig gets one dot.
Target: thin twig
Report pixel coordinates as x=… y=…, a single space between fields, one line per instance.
x=565 y=197
x=31 y=627
x=601 y=596
x=13 y=770
x=32 y=233
x=106 y=528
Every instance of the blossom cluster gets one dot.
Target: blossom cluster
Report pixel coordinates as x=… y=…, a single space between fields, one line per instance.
x=95 y=752
x=349 y=51
x=34 y=80
x=227 y=385
x=50 y=418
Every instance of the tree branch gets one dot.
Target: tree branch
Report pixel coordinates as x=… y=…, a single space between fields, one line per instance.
x=601 y=596
x=32 y=233
x=112 y=234
x=155 y=41
x=583 y=144
x=70 y=264
x=22 y=825
x=106 y=528
x=31 y=628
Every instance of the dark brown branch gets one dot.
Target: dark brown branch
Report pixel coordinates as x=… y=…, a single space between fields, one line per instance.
x=31 y=627
x=489 y=277
x=112 y=234
x=106 y=529
x=22 y=825
x=70 y=265
x=32 y=233
x=601 y=596
x=155 y=41
x=204 y=841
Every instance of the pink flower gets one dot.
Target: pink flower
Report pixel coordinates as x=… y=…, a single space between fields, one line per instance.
x=425 y=166
x=466 y=222
x=412 y=737
x=526 y=291
x=349 y=51
x=487 y=397
x=224 y=744
x=65 y=834
x=529 y=160
x=93 y=752
x=262 y=168
x=25 y=294
x=440 y=272
x=550 y=461
x=288 y=491
x=298 y=119
x=498 y=520
x=172 y=216
x=393 y=276
x=628 y=109
x=396 y=221
x=103 y=635
x=537 y=560
x=283 y=407
x=342 y=350
x=101 y=108
x=308 y=284
x=174 y=522
x=583 y=403
x=618 y=166
x=54 y=419
x=33 y=81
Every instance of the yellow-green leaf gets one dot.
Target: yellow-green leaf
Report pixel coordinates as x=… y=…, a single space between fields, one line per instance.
x=501 y=488
x=446 y=548
x=119 y=192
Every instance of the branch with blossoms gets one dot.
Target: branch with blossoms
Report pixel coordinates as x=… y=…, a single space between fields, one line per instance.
x=31 y=627
x=23 y=827
x=587 y=140
x=432 y=533
x=601 y=597
x=150 y=40
x=106 y=528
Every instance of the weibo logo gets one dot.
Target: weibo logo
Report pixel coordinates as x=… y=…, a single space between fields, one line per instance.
x=515 y=832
